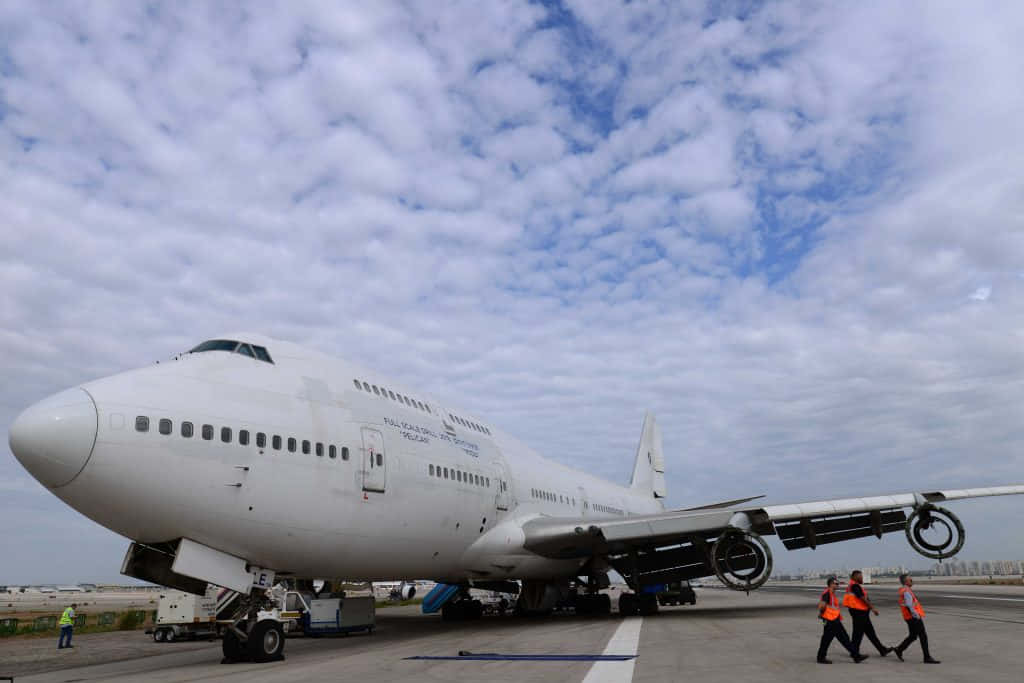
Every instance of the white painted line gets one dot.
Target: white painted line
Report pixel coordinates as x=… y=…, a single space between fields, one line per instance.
x=624 y=641
x=978 y=597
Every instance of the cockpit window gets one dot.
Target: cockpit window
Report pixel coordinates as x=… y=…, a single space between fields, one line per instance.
x=230 y=345
x=215 y=345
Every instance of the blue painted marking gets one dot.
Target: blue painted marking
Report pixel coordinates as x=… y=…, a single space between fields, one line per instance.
x=531 y=658
x=440 y=594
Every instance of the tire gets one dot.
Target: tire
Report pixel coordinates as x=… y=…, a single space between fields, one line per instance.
x=266 y=641
x=628 y=605
x=647 y=604
x=169 y=635
x=233 y=649
x=158 y=635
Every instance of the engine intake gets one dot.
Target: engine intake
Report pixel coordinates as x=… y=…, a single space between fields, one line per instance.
x=741 y=560
x=935 y=532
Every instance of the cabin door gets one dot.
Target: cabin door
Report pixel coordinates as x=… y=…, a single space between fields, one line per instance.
x=503 y=495
x=375 y=462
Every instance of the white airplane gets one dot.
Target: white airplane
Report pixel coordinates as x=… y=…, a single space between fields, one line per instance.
x=250 y=459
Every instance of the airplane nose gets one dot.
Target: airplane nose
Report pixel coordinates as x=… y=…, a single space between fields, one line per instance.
x=54 y=438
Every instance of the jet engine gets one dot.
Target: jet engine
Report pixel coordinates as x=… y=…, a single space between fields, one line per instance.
x=741 y=560
x=935 y=532
x=407 y=591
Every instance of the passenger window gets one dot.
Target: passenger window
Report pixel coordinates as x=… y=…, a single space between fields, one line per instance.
x=142 y=423
x=344 y=452
x=305 y=447
x=225 y=434
x=208 y=432
x=358 y=385
x=261 y=440
x=291 y=444
x=186 y=430
x=487 y=480
x=332 y=451
x=277 y=442
x=366 y=387
x=407 y=401
x=245 y=350
x=392 y=395
x=380 y=460
x=165 y=426
x=445 y=472
x=376 y=390
x=243 y=437
x=431 y=470
x=319 y=449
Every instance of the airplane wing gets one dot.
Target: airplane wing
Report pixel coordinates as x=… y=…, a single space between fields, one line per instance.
x=728 y=542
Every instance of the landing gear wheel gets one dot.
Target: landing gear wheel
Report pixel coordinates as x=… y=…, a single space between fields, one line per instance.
x=648 y=604
x=266 y=641
x=234 y=649
x=629 y=606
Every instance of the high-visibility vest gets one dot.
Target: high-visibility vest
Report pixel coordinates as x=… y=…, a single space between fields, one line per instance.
x=852 y=601
x=907 y=616
x=68 y=618
x=831 y=612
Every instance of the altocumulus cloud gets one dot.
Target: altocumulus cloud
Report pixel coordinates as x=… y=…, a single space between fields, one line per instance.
x=765 y=222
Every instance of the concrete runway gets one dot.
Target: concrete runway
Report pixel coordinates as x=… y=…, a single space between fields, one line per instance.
x=770 y=635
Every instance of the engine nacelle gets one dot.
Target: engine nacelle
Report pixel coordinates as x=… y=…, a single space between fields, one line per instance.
x=407 y=591
x=741 y=560
x=935 y=532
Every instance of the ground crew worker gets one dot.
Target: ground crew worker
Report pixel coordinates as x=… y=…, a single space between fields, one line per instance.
x=67 y=625
x=913 y=614
x=828 y=611
x=856 y=600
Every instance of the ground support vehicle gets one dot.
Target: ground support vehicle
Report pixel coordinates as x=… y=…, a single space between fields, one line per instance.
x=676 y=593
x=326 y=615
x=185 y=616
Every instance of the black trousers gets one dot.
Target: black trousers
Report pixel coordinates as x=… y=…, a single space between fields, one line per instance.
x=834 y=629
x=862 y=626
x=916 y=630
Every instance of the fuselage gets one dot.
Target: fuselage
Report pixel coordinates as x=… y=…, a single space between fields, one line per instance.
x=317 y=467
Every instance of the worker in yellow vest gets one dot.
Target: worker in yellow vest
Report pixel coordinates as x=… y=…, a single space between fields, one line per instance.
x=913 y=614
x=857 y=601
x=828 y=611
x=67 y=625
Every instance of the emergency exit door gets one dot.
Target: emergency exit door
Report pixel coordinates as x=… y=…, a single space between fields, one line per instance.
x=375 y=462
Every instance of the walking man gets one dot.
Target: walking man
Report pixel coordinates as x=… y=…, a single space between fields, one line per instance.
x=67 y=625
x=913 y=614
x=828 y=611
x=857 y=601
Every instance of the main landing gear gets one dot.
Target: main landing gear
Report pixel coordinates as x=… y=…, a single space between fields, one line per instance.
x=632 y=604
x=462 y=608
x=598 y=604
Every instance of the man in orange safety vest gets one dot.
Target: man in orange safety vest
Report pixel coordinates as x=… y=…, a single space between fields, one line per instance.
x=857 y=601
x=828 y=611
x=913 y=614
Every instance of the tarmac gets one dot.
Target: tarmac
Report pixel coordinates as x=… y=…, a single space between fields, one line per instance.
x=769 y=635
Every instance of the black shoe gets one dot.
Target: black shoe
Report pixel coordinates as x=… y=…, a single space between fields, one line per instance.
x=899 y=653
x=859 y=658
x=824 y=661
x=932 y=661
x=882 y=653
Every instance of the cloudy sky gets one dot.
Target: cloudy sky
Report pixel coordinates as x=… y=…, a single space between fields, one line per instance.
x=794 y=231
